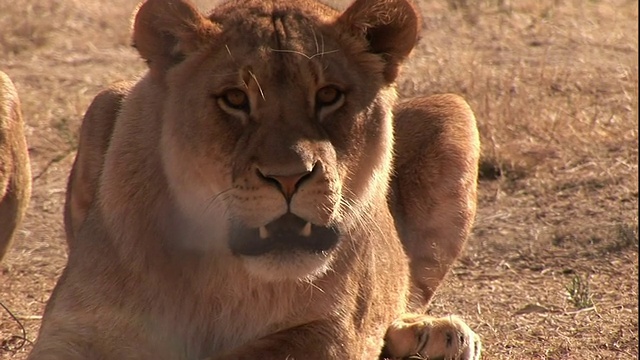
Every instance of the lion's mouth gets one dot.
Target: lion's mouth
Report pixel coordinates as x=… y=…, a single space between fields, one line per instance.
x=289 y=233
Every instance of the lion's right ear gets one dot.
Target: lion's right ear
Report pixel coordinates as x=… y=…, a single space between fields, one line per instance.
x=391 y=28
x=166 y=31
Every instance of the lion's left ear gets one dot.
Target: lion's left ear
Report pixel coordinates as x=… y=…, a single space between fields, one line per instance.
x=391 y=28
x=166 y=31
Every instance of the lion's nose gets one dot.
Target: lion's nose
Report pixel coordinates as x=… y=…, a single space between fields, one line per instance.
x=288 y=184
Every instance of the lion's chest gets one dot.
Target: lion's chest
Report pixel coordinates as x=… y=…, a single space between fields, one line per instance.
x=234 y=314
x=247 y=319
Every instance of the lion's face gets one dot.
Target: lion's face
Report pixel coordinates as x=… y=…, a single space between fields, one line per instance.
x=276 y=134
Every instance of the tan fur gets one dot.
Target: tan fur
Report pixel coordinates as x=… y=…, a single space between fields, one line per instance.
x=15 y=172
x=95 y=136
x=172 y=185
x=442 y=161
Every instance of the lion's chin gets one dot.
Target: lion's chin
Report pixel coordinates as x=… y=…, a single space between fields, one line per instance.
x=278 y=266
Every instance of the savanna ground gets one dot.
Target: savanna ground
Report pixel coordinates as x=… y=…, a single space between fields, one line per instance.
x=551 y=270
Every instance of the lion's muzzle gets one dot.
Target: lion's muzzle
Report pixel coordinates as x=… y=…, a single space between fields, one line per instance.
x=289 y=233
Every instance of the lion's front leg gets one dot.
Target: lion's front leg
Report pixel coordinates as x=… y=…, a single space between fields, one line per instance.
x=427 y=337
x=434 y=190
x=320 y=340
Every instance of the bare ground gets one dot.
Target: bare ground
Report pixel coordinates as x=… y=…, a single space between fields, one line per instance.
x=551 y=271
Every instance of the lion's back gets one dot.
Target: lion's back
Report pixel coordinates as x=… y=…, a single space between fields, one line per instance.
x=15 y=172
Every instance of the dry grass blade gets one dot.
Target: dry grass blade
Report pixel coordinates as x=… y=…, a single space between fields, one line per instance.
x=14 y=342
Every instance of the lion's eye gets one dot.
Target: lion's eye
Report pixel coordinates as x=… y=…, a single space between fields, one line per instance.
x=327 y=96
x=236 y=99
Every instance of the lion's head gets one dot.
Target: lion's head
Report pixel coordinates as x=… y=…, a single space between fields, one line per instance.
x=276 y=130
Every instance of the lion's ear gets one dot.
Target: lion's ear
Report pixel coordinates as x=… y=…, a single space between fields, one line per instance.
x=391 y=28
x=166 y=31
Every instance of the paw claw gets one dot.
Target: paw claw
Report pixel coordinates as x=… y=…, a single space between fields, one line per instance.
x=425 y=337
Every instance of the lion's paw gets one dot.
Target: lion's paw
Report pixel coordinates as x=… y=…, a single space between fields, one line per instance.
x=414 y=336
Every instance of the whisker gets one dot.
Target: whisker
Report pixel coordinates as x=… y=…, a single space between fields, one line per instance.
x=229 y=52
x=315 y=38
x=292 y=52
x=310 y=282
x=258 y=83
x=360 y=217
x=303 y=54
x=216 y=197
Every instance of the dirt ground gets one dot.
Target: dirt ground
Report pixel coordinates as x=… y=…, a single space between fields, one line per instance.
x=551 y=270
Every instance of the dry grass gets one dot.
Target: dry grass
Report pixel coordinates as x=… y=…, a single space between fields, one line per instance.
x=554 y=85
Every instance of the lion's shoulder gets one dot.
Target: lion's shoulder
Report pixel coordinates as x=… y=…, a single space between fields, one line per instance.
x=96 y=133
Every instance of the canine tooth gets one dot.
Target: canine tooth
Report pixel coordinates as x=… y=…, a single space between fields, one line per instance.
x=264 y=233
x=306 y=230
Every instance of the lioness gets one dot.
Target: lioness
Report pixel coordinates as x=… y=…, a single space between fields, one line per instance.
x=15 y=171
x=242 y=200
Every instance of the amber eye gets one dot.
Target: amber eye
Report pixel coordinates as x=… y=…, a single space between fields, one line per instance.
x=236 y=99
x=327 y=96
